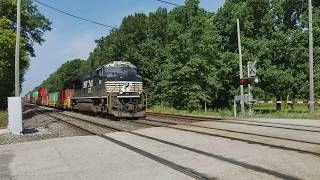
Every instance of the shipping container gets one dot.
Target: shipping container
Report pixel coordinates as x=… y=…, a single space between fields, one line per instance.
x=28 y=97
x=43 y=93
x=53 y=99
x=60 y=100
x=35 y=97
x=67 y=96
x=35 y=93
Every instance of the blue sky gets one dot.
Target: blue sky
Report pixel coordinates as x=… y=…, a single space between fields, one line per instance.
x=71 y=38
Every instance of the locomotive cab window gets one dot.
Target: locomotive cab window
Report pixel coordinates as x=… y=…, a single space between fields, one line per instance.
x=100 y=72
x=122 y=73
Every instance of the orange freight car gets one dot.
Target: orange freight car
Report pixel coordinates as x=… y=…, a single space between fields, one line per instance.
x=67 y=96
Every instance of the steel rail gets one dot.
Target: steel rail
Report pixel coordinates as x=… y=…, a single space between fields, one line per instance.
x=241 y=132
x=172 y=165
x=245 y=140
x=219 y=157
x=195 y=118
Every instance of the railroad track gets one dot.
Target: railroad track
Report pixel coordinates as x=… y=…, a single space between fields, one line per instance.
x=192 y=173
x=175 y=122
x=177 y=167
x=184 y=124
x=235 y=121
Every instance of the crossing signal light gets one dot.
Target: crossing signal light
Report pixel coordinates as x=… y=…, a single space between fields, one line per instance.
x=241 y=82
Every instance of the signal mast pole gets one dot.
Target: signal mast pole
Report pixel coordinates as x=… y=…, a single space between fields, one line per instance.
x=240 y=67
x=311 y=85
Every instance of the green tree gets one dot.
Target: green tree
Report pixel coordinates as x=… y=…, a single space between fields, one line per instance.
x=33 y=26
x=189 y=56
x=62 y=78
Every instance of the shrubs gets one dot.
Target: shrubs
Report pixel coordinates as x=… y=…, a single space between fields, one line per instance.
x=3 y=119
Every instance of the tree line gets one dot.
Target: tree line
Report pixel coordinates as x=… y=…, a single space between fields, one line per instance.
x=33 y=26
x=189 y=56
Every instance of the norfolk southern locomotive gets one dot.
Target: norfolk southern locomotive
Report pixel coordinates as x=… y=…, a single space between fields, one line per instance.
x=114 y=88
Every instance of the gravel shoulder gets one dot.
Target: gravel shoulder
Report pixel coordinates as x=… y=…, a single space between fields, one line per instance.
x=39 y=126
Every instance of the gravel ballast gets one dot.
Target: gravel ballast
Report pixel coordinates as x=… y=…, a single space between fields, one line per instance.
x=39 y=126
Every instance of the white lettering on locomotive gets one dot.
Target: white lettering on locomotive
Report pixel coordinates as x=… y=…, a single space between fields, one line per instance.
x=87 y=84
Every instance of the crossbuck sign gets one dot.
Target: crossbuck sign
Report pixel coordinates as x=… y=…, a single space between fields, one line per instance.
x=252 y=70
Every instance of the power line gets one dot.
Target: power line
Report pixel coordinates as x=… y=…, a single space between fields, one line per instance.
x=175 y=4
x=171 y=3
x=66 y=13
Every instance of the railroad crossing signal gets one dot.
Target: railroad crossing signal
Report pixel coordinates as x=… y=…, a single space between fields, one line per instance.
x=252 y=70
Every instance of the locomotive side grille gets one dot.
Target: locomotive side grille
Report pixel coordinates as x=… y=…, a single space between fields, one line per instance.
x=119 y=86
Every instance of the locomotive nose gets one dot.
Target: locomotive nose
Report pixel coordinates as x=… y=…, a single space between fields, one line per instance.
x=131 y=108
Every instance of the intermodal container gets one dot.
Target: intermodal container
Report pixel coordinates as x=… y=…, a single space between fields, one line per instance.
x=35 y=97
x=35 y=93
x=53 y=98
x=60 y=99
x=43 y=93
x=67 y=96
x=28 y=97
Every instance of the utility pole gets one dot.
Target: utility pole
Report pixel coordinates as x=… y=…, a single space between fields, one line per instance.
x=311 y=85
x=17 y=54
x=240 y=67
x=249 y=88
x=14 y=103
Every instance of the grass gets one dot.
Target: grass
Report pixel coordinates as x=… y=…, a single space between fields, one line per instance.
x=299 y=111
x=165 y=109
x=297 y=108
x=3 y=119
x=1 y=139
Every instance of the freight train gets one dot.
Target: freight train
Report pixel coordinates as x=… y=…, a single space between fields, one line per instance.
x=115 y=88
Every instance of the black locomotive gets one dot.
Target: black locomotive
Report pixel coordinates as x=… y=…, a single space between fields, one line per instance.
x=114 y=88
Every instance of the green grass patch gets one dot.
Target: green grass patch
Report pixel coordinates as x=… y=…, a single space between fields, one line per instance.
x=297 y=108
x=1 y=139
x=166 y=109
x=299 y=111
x=162 y=109
x=3 y=119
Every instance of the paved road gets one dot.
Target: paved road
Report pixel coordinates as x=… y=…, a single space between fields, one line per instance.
x=88 y=157
x=211 y=157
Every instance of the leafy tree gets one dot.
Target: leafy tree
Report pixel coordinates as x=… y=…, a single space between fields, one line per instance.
x=62 y=78
x=189 y=56
x=33 y=26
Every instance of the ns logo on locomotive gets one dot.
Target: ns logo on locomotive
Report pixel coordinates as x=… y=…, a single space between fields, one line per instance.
x=115 y=88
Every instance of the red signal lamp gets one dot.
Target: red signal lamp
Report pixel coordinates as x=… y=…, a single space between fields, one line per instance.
x=241 y=82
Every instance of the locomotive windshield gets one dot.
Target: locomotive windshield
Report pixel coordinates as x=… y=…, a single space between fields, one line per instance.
x=122 y=73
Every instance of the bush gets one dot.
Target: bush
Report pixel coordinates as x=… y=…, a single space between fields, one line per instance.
x=3 y=119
